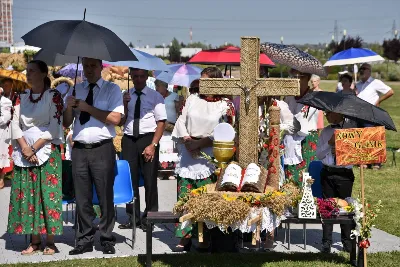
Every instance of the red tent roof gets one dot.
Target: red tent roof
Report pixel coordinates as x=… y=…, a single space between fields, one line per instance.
x=229 y=55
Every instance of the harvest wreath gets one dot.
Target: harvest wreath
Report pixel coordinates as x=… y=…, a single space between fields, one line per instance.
x=228 y=208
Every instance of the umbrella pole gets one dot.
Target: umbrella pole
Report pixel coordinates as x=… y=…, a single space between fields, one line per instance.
x=76 y=75
x=363 y=209
x=226 y=69
x=128 y=78
x=230 y=71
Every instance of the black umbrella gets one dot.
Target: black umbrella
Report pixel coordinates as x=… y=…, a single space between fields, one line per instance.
x=54 y=59
x=293 y=57
x=350 y=106
x=79 y=38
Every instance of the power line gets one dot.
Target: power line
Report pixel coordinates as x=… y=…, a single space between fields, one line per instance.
x=363 y=18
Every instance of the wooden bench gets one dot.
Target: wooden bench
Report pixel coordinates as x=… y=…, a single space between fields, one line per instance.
x=168 y=217
x=152 y=219
x=345 y=219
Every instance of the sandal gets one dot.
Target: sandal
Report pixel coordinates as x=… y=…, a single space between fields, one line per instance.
x=35 y=249
x=50 y=249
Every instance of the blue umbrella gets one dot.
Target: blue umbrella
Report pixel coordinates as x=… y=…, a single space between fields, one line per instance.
x=179 y=74
x=353 y=56
x=145 y=62
x=70 y=71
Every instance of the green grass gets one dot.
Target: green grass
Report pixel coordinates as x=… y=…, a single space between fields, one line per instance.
x=273 y=259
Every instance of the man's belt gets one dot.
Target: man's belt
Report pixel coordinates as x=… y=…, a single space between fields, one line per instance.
x=140 y=136
x=93 y=145
x=337 y=169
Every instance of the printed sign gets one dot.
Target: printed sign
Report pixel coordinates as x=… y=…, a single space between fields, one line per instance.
x=360 y=146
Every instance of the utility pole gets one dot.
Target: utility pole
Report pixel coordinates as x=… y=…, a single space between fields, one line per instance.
x=281 y=64
x=336 y=31
x=344 y=39
x=394 y=30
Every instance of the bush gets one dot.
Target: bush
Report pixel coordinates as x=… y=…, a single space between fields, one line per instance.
x=387 y=71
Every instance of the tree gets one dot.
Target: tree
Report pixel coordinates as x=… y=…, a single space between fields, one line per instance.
x=391 y=49
x=199 y=45
x=175 y=51
x=29 y=54
x=228 y=44
x=345 y=43
x=130 y=45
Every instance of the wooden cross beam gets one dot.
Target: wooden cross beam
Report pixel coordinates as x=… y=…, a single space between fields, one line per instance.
x=249 y=87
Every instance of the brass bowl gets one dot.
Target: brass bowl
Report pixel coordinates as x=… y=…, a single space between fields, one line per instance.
x=223 y=154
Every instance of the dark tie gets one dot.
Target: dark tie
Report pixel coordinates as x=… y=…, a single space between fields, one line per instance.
x=85 y=117
x=136 y=115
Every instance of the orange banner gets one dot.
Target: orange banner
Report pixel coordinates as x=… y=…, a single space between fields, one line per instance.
x=359 y=146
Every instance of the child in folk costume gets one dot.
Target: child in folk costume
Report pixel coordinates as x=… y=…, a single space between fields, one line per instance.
x=337 y=181
x=193 y=130
x=5 y=137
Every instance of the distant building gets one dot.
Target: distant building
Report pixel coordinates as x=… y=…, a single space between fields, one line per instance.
x=6 y=22
x=163 y=52
x=20 y=48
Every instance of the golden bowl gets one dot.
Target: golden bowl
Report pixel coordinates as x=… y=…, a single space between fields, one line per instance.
x=223 y=144
x=223 y=154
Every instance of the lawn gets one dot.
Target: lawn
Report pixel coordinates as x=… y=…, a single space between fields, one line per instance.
x=380 y=185
x=273 y=259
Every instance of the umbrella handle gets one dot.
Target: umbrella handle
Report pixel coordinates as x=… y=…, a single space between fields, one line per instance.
x=76 y=74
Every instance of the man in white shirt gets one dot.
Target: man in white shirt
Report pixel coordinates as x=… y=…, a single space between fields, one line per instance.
x=336 y=181
x=96 y=105
x=372 y=90
x=144 y=125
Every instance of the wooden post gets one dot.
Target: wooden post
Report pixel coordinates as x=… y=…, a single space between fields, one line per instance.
x=363 y=208
x=200 y=230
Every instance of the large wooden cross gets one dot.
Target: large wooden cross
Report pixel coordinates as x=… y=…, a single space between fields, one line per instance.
x=249 y=87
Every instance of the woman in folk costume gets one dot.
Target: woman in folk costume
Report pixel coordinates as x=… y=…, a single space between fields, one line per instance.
x=193 y=130
x=307 y=139
x=302 y=65
x=5 y=136
x=35 y=198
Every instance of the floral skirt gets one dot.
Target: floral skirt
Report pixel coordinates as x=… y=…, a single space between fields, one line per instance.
x=308 y=150
x=36 y=198
x=185 y=186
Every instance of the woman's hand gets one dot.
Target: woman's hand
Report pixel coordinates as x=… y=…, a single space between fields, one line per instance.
x=27 y=152
x=34 y=160
x=192 y=145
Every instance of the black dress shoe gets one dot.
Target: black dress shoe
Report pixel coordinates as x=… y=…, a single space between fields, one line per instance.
x=128 y=225
x=326 y=247
x=81 y=249
x=108 y=249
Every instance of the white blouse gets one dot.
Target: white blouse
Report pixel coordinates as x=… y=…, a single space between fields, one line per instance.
x=38 y=120
x=5 y=133
x=296 y=108
x=198 y=119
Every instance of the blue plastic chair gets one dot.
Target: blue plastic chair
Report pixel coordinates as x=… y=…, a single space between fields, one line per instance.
x=67 y=203
x=314 y=169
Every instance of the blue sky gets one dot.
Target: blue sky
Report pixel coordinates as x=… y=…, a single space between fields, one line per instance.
x=152 y=22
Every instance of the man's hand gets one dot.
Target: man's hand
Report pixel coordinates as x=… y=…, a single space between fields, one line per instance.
x=82 y=105
x=71 y=101
x=126 y=98
x=378 y=103
x=148 y=153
